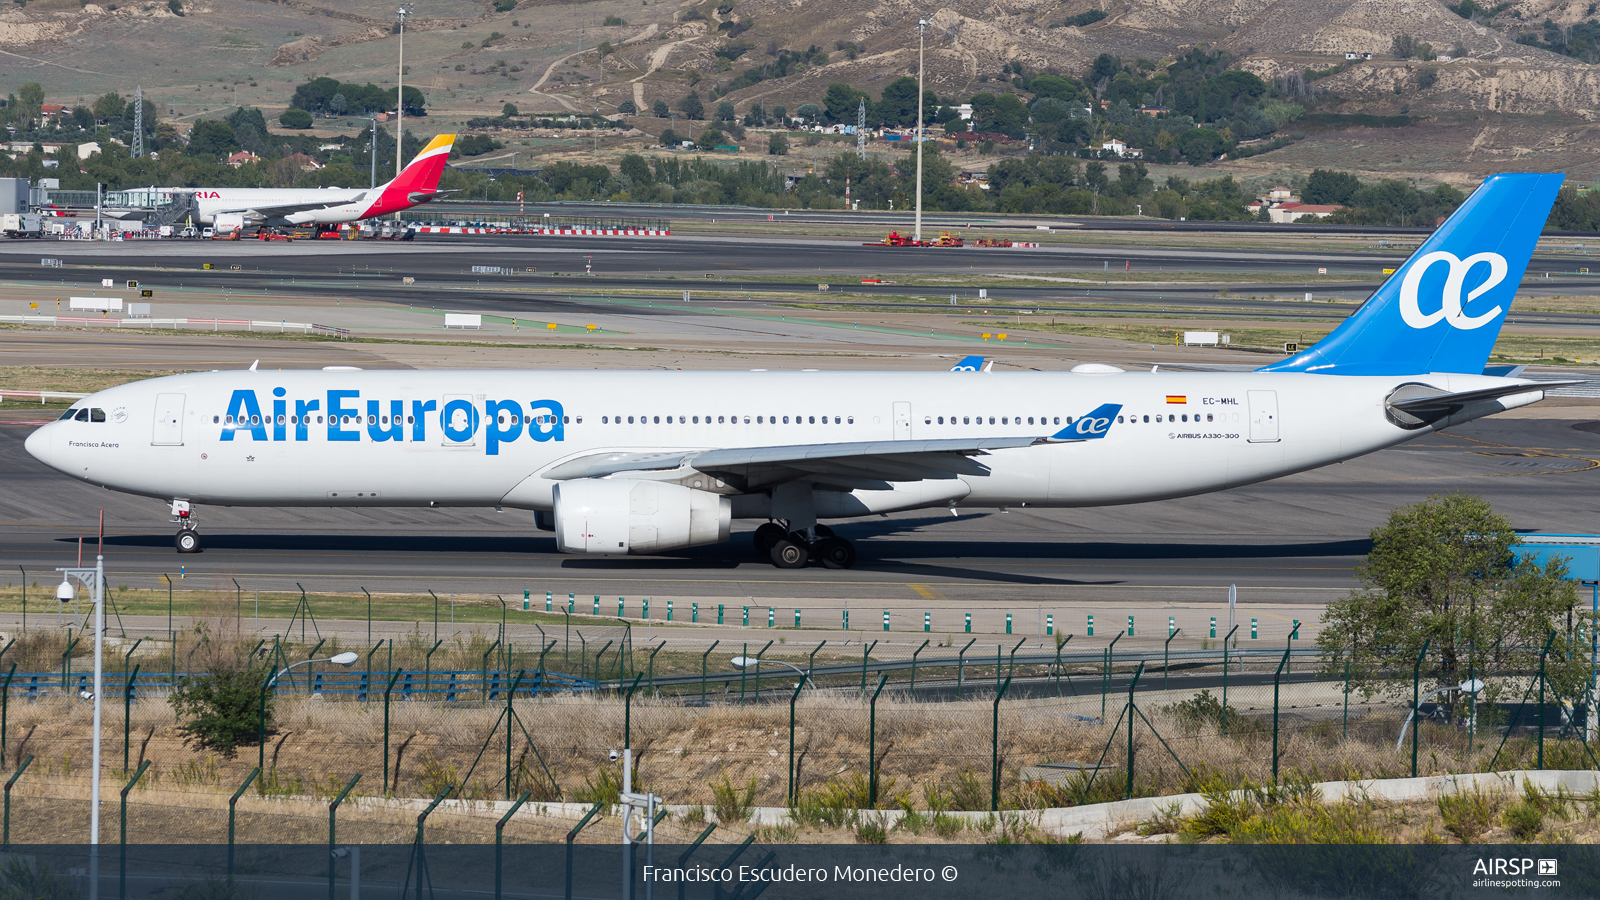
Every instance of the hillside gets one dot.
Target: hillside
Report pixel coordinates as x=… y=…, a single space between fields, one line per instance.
x=470 y=57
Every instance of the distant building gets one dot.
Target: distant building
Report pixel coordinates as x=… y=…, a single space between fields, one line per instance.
x=1353 y=55
x=1294 y=212
x=88 y=149
x=304 y=162
x=1122 y=150
x=243 y=157
x=1154 y=112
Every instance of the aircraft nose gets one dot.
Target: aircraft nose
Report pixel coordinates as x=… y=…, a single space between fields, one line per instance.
x=40 y=443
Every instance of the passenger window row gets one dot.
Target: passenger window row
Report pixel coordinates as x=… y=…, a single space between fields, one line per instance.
x=1003 y=420
x=1171 y=417
x=728 y=420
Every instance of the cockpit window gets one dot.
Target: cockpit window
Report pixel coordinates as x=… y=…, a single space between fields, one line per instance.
x=82 y=416
x=97 y=415
x=67 y=415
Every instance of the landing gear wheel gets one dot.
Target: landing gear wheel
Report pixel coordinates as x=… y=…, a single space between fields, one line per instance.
x=824 y=531
x=766 y=536
x=788 y=554
x=187 y=541
x=836 y=553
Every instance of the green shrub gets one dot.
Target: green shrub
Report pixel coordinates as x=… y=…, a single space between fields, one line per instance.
x=504 y=6
x=20 y=878
x=1468 y=814
x=221 y=709
x=295 y=118
x=733 y=804
x=1525 y=820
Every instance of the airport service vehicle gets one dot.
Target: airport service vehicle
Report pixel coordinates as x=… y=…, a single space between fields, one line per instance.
x=20 y=225
x=417 y=183
x=646 y=462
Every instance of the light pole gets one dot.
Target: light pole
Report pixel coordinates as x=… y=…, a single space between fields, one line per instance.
x=746 y=662
x=922 y=26
x=94 y=579
x=399 y=98
x=346 y=659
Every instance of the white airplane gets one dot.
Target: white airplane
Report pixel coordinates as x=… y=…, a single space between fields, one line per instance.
x=417 y=183
x=650 y=462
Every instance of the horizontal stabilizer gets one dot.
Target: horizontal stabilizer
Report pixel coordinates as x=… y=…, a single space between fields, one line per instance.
x=1414 y=405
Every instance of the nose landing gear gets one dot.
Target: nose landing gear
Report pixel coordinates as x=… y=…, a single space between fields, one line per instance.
x=187 y=539
x=796 y=550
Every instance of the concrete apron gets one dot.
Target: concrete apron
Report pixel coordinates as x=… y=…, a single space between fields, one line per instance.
x=1092 y=822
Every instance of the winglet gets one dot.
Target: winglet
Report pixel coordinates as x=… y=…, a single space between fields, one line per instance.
x=1092 y=426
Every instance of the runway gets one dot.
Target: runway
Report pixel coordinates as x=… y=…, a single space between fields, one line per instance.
x=1293 y=541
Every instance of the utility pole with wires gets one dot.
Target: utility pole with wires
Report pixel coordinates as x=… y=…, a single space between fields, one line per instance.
x=372 y=151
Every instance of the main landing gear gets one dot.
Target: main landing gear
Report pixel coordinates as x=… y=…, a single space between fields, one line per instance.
x=795 y=550
x=187 y=539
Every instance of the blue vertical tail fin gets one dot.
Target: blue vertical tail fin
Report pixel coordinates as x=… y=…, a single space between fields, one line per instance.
x=1442 y=310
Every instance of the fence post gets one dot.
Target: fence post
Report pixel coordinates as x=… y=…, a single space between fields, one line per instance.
x=510 y=712
x=127 y=713
x=261 y=735
x=1277 y=677
x=1225 y=642
x=1416 y=688
x=1344 y=732
x=1131 y=710
x=1166 y=653
x=627 y=712
x=571 y=836
x=233 y=802
x=122 y=833
x=703 y=672
x=383 y=789
x=5 y=710
x=417 y=846
x=994 y=748
x=1105 y=674
x=500 y=832
x=865 y=651
x=872 y=744
x=333 y=810
x=914 y=665
x=10 y=783
x=1540 y=714
x=792 y=698
x=961 y=665
x=684 y=857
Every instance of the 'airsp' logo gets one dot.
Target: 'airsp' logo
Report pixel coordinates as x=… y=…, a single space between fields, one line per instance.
x=1450 y=300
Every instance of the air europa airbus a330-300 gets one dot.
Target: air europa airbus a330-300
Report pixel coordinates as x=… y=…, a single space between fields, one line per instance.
x=648 y=462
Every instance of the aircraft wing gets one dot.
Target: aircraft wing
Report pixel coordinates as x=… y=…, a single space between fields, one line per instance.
x=858 y=463
x=287 y=209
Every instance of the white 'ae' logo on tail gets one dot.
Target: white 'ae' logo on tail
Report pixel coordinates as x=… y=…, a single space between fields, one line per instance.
x=1450 y=300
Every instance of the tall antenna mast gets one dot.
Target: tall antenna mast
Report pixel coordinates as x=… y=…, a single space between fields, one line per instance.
x=138 y=122
x=399 y=99
x=861 y=129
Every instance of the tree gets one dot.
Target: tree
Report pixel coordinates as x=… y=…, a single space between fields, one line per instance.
x=1105 y=66
x=109 y=106
x=691 y=106
x=1442 y=573
x=634 y=167
x=811 y=112
x=1404 y=46
x=660 y=109
x=510 y=109
x=1427 y=77
x=1200 y=145
x=30 y=103
x=841 y=102
x=1331 y=188
x=221 y=709
x=726 y=112
x=627 y=108
x=338 y=104
x=711 y=137
x=295 y=118
x=778 y=146
x=211 y=139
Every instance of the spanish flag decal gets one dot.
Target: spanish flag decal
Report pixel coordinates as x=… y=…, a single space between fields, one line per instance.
x=1177 y=398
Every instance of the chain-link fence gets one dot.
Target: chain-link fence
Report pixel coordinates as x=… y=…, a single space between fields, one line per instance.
x=822 y=732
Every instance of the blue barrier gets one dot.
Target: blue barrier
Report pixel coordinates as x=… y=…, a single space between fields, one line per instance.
x=447 y=686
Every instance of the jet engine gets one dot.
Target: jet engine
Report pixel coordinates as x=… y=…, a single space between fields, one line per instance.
x=601 y=516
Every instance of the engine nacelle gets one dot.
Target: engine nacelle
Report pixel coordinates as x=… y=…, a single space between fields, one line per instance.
x=600 y=516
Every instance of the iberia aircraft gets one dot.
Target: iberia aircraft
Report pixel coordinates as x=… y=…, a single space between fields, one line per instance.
x=417 y=183
x=650 y=462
